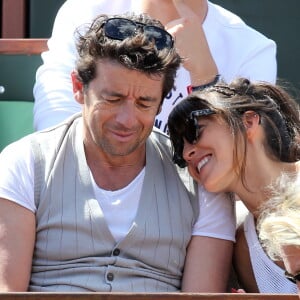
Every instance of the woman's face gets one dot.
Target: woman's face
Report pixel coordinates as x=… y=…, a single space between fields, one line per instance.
x=210 y=160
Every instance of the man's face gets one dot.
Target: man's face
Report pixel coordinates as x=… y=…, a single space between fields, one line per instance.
x=120 y=106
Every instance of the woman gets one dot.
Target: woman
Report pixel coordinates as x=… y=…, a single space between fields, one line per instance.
x=239 y=138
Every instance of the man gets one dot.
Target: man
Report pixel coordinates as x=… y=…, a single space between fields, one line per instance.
x=96 y=203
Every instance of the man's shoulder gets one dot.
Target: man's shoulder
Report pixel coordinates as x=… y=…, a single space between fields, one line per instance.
x=224 y=15
x=59 y=129
x=160 y=135
x=225 y=21
x=162 y=139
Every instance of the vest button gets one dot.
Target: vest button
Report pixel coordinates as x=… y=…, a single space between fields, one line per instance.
x=116 y=252
x=110 y=277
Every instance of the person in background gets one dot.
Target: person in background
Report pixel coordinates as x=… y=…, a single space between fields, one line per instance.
x=279 y=226
x=213 y=42
x=96 y=202
x=238 y=138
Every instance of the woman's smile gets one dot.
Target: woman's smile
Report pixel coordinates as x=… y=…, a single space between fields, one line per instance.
x=203 y=162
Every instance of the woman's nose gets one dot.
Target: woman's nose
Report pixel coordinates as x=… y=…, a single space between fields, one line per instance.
x=189 y=151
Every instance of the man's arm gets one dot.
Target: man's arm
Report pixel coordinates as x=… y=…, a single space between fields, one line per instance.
x=207 y=265
x=17 y=238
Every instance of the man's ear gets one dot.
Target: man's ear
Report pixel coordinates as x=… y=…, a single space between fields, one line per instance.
x=251 y=120
x=77 y=88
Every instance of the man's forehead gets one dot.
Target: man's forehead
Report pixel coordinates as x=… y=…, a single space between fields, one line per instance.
x=111 y=73
x=107 y=65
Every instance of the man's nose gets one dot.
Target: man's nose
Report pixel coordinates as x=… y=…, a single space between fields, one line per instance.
x=126 y=114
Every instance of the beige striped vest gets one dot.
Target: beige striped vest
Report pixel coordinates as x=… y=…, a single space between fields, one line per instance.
x=75 y=250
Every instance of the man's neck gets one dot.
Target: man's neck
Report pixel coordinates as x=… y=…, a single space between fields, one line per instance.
x=115 y=172
x=115 y=178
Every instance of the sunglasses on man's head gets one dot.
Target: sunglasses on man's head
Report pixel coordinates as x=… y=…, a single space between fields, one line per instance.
x=121 y=28
x=292 y=278
x=192 y=132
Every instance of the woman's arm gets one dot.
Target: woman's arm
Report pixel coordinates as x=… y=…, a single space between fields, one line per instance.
x=207 y=265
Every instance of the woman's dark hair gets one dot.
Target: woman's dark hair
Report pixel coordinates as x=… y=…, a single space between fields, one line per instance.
x=134 y=52
x=277 y=110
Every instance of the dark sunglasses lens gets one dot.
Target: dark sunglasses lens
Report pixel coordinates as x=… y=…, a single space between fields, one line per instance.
x=119 y=29
x=191 y=131
x=161 y=37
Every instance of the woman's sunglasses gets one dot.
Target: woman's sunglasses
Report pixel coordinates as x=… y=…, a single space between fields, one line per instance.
x=193 y=132
x=292 y=278
x=121 y=28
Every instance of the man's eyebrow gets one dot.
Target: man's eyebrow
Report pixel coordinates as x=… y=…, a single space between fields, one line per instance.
x=148 y=98
x=112 y=93
x=120 y=95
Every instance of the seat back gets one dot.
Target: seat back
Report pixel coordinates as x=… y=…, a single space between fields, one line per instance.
x=17 y=76
x=41 y=15
x=16 y=121
x=19 y=60
x=28 y=18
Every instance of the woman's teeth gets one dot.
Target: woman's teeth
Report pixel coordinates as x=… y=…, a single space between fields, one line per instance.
x=202 y=163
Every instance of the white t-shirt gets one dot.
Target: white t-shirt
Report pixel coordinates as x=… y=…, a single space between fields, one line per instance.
x=237 y=49
x=216 y=218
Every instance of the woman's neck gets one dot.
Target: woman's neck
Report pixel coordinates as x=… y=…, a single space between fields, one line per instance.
x=258 y=180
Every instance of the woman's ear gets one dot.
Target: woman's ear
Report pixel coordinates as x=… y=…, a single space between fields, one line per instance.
x=77 y=88
x=251 y=120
